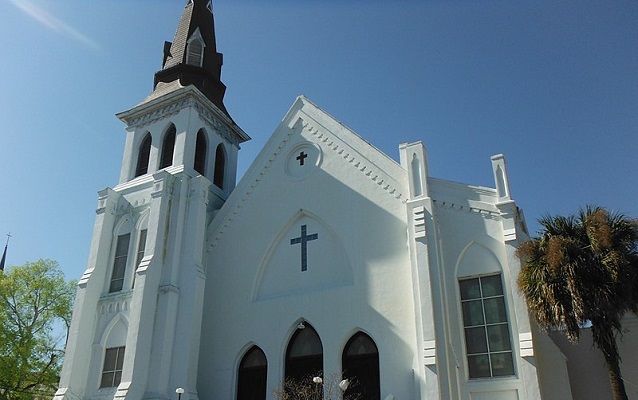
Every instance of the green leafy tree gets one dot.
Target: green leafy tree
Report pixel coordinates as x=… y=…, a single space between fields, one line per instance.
x=35 y=308
x=584 y=269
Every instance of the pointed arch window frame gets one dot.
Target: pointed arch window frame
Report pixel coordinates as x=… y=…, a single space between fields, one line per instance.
x=307 y=359
x=120 y=262
x=189 y=56
x=201 y=152
x=368 y=355
x=247 y=375
x=168 y=147
x=219 y=173
x=143 y=155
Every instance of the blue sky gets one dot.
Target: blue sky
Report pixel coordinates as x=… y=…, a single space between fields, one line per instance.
x=552 y=85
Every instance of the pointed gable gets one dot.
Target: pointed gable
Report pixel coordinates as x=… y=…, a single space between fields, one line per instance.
x=308 y=135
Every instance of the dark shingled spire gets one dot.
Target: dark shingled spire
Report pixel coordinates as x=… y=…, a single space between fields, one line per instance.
x=183 y=58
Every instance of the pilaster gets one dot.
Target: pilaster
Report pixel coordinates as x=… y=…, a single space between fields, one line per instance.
x=424 y=258
x=191 y=280
x=513 y=235
x=77 y=357
x=143 y=313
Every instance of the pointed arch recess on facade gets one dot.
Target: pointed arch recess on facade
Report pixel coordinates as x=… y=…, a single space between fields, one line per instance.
x=201 y=152
x=168 y=147
x=273 y=279
x=476 y=258
x=304 y=353
x=220 y=166
x=360 y=365
x=143 y=155
x=252 y=375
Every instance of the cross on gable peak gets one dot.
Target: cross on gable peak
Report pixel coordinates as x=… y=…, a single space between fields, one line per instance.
x=302 y=157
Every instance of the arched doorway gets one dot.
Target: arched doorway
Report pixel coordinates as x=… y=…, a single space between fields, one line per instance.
x=253 y=371
x=304 y=355
x=360 y=364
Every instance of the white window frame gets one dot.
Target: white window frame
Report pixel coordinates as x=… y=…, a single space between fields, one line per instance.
x=486 y=325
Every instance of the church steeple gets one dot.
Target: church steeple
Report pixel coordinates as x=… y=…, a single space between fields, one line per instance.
x=192 y=57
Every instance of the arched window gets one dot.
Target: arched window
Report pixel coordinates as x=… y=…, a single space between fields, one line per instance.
x=253 y=370
x=360 y=364
x=195 y=52
x=220 y=166
x=143 y=156
x=304 y=355
x=168 y=147
x=114 y=338
x=486 y=327
x=200 y=152
x=120 y=260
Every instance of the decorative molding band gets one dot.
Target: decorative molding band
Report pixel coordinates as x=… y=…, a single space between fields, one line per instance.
x=526 y=344
x=222 y=129
x=360 y=165
x=114 y=305
x=85 y=278
x=136 y=183
x=429 y=352
x=122 y=391
x=157 y=114
x=60 y=394
x=418 y=218
x=459 y=207
x=144 y=263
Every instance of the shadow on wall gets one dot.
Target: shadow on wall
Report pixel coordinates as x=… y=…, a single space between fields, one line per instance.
x=588 y=375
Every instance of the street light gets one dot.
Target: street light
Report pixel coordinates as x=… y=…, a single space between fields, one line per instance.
x=179 y=392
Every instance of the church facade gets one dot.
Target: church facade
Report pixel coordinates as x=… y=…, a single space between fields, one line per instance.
x=327 y=260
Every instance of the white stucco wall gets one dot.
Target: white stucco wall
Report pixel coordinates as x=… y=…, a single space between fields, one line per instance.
x=358 y=275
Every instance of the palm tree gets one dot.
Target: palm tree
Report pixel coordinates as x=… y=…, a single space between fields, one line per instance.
x=584 y=269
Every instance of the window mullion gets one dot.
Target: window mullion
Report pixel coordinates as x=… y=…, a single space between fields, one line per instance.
x=487 y=336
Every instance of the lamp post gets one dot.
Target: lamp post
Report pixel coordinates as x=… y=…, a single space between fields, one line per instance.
x=179 y=392
x=319 y=387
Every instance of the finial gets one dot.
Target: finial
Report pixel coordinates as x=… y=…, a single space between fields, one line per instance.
x=4 y=254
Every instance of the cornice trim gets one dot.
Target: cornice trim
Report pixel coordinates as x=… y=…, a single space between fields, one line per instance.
x=171 y=103
x=357 y=161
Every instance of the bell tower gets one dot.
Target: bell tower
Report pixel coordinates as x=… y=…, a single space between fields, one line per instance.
x=136 y=322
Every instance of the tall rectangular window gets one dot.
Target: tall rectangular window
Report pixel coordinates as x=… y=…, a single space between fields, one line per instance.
x=112 y=370
x=141 y=247
x=119 y=263
x=487 y=336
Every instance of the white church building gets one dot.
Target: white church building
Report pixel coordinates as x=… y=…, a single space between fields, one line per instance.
x=328 y=259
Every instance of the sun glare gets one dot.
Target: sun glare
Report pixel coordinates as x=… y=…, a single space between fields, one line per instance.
x=51 y=22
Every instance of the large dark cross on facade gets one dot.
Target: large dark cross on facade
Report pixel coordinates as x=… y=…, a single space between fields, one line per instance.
x=303 y=240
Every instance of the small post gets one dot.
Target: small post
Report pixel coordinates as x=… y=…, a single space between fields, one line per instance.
x=179 y=392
